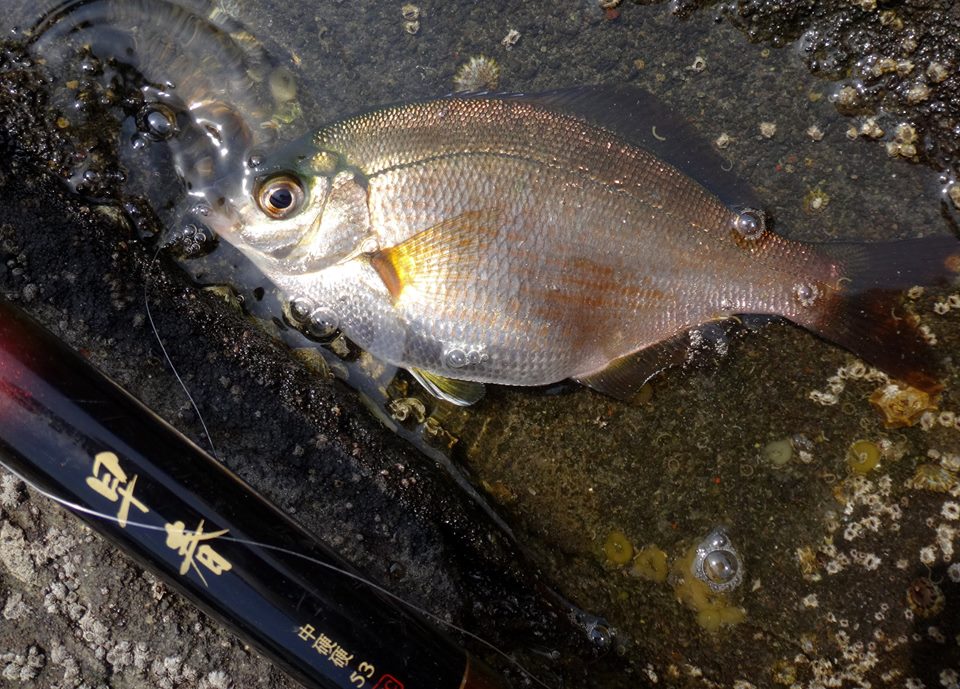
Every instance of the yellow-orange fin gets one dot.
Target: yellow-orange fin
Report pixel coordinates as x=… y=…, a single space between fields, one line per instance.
x=450 y=251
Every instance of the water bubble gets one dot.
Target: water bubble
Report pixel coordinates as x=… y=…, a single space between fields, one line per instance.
x=717 y=539
x=600 y=635
x=159 y=124
x=91 y=65
x=157 y=121
x=750 y=223
x=455 y=358
x=316 y=322
x=300 y=309
x=191 y=240
x=717 y=563
x=323 y=323
x=720 y=567
x=806 y=293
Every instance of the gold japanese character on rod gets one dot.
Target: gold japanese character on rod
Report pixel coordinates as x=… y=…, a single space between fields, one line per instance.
x=112 y=484
x=191 y=545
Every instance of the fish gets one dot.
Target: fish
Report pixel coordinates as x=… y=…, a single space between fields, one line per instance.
x=523 y=240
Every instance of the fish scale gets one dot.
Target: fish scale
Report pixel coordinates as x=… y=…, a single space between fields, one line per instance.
x=439 y=130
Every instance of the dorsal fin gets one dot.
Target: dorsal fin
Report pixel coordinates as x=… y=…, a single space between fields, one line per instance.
x=644 y=120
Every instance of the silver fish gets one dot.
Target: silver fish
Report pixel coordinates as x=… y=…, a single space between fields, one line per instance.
x=523 y=240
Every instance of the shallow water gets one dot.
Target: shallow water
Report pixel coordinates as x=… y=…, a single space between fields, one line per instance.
x=828 y=556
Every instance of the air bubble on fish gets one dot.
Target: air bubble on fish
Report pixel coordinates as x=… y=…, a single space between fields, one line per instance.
x=750 y=223
x=322 y=323
x=455 y=358
x=460 y=356
x=806 y=294
x=300 y=309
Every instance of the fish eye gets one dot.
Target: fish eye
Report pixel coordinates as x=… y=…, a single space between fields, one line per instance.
x=280 y=196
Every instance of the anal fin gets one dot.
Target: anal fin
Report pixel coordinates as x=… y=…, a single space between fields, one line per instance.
x=622 y=378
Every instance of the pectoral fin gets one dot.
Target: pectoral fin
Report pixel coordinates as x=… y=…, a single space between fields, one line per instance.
x=462 y=393
x=448 y=252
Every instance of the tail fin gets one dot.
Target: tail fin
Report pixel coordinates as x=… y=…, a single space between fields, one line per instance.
x=865 y=315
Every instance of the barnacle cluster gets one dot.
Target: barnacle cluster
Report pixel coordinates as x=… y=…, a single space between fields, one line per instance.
x=837 y=383
x=891 y=58
x=904 y=142
x=411 y=18
x=947 y=304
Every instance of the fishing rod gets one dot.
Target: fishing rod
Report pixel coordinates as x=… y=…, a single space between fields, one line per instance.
x=84 y=441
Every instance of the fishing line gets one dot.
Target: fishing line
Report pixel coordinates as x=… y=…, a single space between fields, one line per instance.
x=156 y=334
x=76 y=507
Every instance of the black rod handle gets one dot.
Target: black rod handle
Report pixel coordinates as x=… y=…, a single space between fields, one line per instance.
x=74 y=433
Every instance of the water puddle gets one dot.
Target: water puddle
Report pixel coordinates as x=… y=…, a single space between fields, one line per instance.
x=781 y=515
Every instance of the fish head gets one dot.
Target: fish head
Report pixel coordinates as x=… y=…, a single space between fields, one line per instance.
x=300 y=209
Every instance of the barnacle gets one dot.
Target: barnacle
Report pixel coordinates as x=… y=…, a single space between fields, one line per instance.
x=933 y=477
x=925 y=597
x=815 y=200
x=901 y=406
x=479 y=73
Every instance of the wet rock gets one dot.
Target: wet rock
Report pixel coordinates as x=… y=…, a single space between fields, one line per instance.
x=903 y=60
